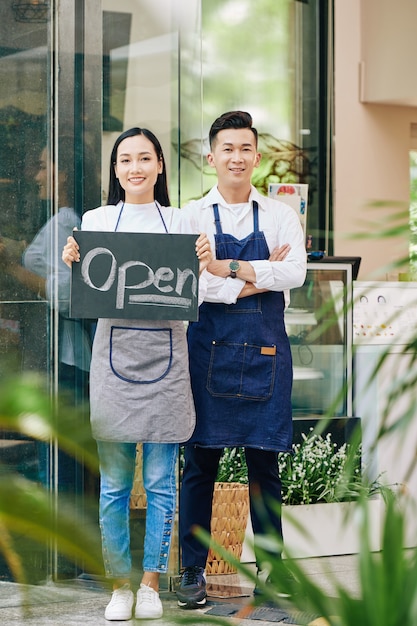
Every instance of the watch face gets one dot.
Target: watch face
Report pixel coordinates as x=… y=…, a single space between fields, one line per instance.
x=234 y=266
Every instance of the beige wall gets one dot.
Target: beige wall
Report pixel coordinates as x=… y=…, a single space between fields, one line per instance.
x=371 y=151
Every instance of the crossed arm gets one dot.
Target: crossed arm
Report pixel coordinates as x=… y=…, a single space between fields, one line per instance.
x=246 y=271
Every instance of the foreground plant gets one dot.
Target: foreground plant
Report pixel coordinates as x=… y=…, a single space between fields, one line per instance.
x=387 y=580
x=27 y=508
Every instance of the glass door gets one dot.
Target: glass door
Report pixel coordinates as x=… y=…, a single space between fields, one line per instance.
x=150 y=55
x=47 y=145
x=25 y=196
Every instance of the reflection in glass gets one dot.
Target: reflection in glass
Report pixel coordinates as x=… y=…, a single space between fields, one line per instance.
x=23 y=313
x=318 y=322
x=37 y=200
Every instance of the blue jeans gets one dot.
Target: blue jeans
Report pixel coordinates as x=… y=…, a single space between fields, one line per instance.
x=117 y=469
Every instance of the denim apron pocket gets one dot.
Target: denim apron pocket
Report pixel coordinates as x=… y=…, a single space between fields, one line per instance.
x=140 y=355
x=241 y=370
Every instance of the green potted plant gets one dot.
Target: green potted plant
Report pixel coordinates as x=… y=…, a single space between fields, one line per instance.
x=320 y=483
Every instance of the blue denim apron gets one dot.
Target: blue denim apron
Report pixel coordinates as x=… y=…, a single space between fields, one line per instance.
x=240 y=361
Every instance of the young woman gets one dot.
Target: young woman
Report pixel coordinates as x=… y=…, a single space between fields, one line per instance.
x=159 y=412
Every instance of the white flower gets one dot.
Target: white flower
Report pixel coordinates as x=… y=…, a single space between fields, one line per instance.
x=315 y=471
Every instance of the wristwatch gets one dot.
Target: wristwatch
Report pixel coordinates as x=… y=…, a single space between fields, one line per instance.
x=234 y=267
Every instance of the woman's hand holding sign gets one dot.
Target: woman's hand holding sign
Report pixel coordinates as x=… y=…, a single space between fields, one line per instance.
x=203 y=251
x=70 y=251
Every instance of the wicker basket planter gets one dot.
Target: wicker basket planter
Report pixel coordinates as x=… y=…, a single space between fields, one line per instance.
x=228 y=524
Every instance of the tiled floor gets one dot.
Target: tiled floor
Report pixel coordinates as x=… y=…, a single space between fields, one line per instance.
x=75 y=604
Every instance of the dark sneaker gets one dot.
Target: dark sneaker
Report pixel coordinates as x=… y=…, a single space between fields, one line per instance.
x=191 y=592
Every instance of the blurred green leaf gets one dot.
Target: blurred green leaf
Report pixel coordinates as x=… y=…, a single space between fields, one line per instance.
x=28 y=509
x=26 y=407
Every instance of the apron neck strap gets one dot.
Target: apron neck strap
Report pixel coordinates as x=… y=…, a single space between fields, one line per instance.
x=218 y=223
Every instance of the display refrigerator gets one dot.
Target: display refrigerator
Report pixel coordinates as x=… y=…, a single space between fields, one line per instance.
x=319 y=325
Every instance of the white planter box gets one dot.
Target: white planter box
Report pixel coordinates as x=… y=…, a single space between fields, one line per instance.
x=323 y=529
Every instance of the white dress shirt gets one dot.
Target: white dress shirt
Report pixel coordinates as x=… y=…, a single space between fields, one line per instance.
x=280 y=225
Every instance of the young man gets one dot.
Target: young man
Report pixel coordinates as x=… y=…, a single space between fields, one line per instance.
x=240 y=358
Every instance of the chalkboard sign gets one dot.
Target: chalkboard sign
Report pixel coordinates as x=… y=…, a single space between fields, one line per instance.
x=135 y=276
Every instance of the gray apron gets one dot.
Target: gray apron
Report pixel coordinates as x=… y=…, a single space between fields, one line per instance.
x=139 y=382
x=140 y=387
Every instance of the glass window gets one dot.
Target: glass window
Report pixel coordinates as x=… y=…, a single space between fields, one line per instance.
x=39 y=165
x=264 y=58
x=24 y=187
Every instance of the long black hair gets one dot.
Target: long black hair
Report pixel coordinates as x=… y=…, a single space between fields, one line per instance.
x=116 y=191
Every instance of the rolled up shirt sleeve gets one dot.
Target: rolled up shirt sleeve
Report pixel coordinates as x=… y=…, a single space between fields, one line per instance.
x=225 y=290
x=279 y=275
x=289 y=273
x=202 y=287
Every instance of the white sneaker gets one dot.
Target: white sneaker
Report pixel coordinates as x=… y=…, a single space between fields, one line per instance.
x=148 y=604
x=121 y=604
